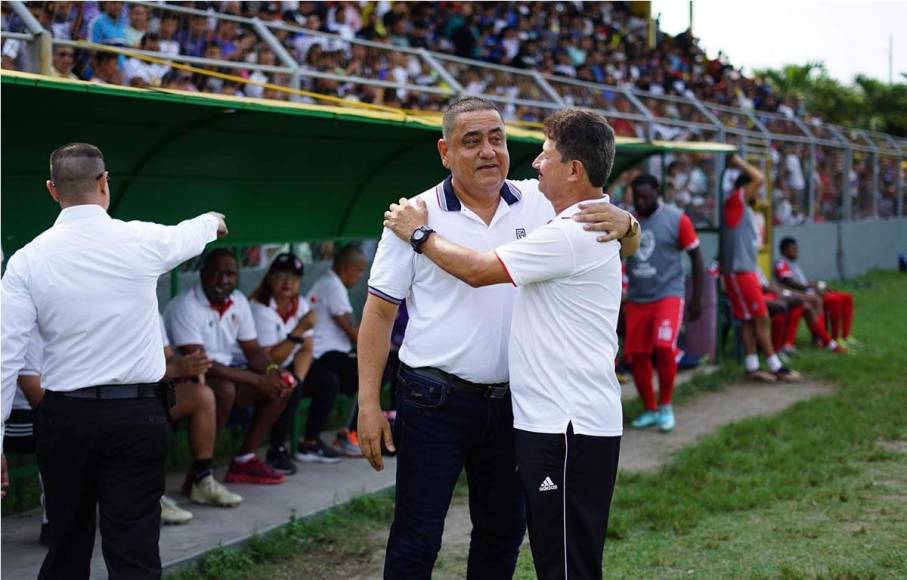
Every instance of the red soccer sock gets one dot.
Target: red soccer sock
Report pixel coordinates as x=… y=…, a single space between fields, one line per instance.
x=793 y=321
x=778 y=326
x=666 y=364
x=847 y=312
x=818 y=328
x=833 y=308
x=642 y=376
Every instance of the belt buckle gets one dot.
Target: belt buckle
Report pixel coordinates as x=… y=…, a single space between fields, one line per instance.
x=493 y=392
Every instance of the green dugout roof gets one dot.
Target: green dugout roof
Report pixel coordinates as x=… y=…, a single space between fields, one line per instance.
x=279 y=171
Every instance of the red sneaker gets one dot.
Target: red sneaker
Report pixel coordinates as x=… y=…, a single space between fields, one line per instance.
x=253 y=471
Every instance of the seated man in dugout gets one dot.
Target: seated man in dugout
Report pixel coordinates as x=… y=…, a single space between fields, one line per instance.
x=833 y=306
x=195 y=403
x=214 y=317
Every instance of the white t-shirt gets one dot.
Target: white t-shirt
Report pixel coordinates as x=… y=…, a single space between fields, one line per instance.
x=191 y=319
x=452 y=326
x=273 y=329
x=564 y=335
x=329 y=298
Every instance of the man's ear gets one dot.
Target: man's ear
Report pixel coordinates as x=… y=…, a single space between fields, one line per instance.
x=442 y=151
x=52 y=191
x=576 y=170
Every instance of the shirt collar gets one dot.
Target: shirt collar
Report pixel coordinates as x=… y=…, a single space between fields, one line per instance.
x=449 y=201
x=574 y=209
x=80 y=212
x=202 y=298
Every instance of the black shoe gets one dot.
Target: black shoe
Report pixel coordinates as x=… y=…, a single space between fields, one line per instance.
x=279 y=458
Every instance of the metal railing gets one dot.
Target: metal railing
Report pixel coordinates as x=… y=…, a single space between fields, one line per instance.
x=815 y=171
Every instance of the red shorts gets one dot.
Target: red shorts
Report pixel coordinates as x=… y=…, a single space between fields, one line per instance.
x=653 y=325
x=745 y=293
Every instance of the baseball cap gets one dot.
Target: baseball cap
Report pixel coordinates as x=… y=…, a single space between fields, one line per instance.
x=287 y=262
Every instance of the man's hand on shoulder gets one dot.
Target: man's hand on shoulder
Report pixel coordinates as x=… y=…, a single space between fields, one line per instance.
x=601 y=216
x=405 y=216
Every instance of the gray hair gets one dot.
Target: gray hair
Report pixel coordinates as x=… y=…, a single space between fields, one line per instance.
x=464 y=105
x=75 y=169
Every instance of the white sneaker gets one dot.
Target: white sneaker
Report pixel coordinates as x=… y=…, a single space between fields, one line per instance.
x=172 y=514
x=209 y=491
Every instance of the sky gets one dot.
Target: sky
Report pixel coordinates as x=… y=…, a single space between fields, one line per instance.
x=849 y=37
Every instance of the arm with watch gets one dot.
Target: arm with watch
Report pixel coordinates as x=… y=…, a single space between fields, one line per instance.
x=408 y=221
x=280 y=351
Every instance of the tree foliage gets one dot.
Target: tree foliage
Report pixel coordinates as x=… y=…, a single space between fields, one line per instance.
x=867 y=103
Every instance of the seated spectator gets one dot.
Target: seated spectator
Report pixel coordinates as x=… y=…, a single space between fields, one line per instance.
x=169 y=45
x=335 y=336
x=839 y=305
x=213 y=317
x=284 y=323
x=64 y=57
x=107 y=28
x=194 y=39
x=785 y=311
x=141 y=73
x=178 y=80
x=106 y=69
x=138 y=24
x=195 y=402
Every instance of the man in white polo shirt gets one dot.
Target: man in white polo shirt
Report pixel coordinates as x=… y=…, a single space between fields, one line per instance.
x=566 y=398
x=453 y=401
x=334 y=361
x=213 y=317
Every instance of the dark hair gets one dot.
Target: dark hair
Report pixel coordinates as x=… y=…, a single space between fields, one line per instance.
x=75 y=168
x=742 y=180
x=210 y=257
x=786 y=243
x=148 y=37
x=347 y=255
x=101 y=57
x=645 y=179
x=464 y=105
x=584 y=136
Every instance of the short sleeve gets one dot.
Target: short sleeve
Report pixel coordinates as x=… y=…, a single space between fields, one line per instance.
x=686 y=236
x=782 y=270
x=393 y=269
x=246 y=322
x=185 y=323
x=268 y=332
x=733 y=208
x=544 y=254
x=338 y=302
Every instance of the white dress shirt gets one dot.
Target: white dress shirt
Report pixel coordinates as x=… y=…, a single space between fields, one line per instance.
x=452 y=326
x=564 y=335
x=329 y=298
x=89 y=284
x=191 y=319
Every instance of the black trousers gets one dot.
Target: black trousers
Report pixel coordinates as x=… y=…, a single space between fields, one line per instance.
x=333 y=372
x=568 y=480
x=106 y=456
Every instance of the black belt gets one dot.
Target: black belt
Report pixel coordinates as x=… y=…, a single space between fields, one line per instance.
x=492 y=391
x=135 y=391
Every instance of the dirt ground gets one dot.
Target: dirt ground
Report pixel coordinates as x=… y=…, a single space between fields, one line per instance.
x=640 y=451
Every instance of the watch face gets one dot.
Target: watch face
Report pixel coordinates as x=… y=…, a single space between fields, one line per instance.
x=418 y=235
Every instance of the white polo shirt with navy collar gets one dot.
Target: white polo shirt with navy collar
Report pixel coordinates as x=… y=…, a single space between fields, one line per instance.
x=191 y=319
x=564 y=335
x=452 y=326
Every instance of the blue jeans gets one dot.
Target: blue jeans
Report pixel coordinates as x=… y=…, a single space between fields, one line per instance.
x=440 y=430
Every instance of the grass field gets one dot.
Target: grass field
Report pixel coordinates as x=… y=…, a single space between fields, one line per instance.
x=817 y=491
